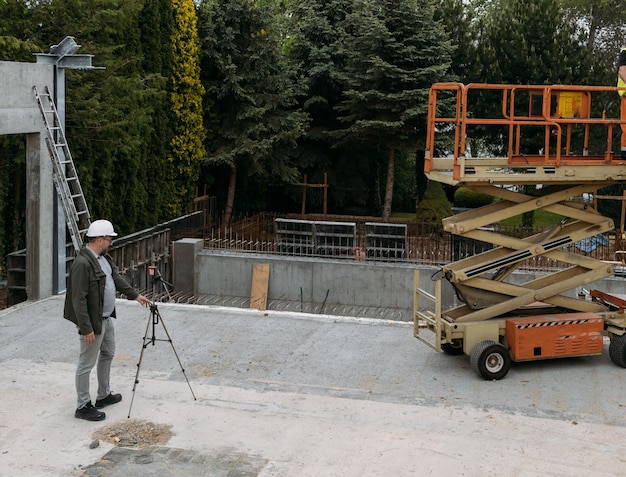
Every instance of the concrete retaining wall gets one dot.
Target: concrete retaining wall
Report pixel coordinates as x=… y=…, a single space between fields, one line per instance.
x=348 y=283
x=292 y=279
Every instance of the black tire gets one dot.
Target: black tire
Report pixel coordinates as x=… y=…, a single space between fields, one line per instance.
x=617 y=350
x=453 y=349
x=490 y=360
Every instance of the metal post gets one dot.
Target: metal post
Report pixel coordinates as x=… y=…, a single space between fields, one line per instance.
x=62 y=57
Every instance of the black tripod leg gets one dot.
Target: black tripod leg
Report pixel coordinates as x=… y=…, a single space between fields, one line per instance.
x=176 y=354
x=143 y=348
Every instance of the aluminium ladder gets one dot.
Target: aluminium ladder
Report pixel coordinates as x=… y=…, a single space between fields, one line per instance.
x=64 y=172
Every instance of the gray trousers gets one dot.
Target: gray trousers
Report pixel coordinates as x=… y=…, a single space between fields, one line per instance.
x=101 y=351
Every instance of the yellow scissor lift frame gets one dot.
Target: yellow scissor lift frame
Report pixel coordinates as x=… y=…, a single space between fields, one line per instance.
x=502 y=321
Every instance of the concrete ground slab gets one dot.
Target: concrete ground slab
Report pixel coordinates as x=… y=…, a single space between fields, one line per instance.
x=282 y=394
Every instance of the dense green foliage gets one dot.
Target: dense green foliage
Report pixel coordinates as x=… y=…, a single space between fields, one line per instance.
x=245 y=97
x=392 y=53
x=434 y=206
x=471 y=199
x=251 y=90
x=187 y=144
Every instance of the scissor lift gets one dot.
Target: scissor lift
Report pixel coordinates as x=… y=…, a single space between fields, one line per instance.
x=501 y=321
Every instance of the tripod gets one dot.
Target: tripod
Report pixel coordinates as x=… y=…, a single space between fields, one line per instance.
x=154 y=319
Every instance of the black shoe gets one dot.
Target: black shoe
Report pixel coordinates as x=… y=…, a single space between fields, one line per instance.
x=89 y=413
x=110 y=399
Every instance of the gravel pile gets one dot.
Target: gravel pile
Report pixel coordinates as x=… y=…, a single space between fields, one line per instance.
x=135 y=433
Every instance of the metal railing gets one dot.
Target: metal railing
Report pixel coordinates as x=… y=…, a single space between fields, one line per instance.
x=540 y=125
x=131 y=253
x=400 y=241
x=417 y=243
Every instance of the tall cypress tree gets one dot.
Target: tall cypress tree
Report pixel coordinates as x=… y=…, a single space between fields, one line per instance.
x=107 y=113
x=156 y=24
x=187 y=144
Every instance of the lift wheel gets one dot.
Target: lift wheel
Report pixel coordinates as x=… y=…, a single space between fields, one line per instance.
x=490 y=360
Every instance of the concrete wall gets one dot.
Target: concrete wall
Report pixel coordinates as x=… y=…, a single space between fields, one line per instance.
x=227 y=274
x=350 y=283
x=19 y=114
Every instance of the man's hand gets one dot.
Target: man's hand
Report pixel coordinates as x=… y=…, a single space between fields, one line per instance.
x=143 y=301
x=90 y=338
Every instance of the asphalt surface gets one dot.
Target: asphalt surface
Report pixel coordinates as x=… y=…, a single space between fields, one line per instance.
x=286 y=394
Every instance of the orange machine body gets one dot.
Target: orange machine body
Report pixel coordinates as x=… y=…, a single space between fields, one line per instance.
x=555 y=336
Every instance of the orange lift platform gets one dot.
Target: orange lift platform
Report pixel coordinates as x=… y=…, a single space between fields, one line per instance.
x=557 y=147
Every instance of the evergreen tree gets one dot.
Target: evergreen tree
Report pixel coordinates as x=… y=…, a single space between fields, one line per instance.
x=251 y=93
x=604 y=24
x=394 y=53
x=458 y=19
x=156 y=26
x=315 y=33
x=108 y=118
x=526 y=42
x=531 y=42
x=16 y=31
x=187 y=145
x=16 y=44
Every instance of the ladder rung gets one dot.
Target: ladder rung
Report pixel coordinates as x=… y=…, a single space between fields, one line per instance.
x=65 y=178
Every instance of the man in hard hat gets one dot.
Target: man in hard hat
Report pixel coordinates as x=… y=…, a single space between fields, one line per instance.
x=90 y=305
x=621 y=83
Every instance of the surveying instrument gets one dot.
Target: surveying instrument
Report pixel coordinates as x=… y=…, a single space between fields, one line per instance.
x=154 y=319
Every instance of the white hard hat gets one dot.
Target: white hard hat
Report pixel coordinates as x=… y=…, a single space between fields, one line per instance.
x=101 y=228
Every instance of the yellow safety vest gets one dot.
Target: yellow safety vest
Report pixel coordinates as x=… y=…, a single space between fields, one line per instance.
x=621 y=83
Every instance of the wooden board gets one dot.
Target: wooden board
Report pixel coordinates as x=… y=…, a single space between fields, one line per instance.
x=260 y=285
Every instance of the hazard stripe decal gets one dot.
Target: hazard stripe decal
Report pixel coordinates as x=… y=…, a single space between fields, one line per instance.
x=555 y=323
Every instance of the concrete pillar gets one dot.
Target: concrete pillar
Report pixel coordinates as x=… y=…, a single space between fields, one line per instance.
x=39 y=218
x=184 y=264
